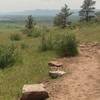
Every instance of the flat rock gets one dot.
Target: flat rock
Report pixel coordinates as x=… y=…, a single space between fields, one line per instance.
x=55 y=74
x=55 y=63
x=34 y=92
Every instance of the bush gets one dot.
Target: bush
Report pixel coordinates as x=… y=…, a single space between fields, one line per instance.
x=8 y=56
x=36 y=33
x=15 y=37
x=33 y=32
x=66 y=45
x=24 y=45
x=46 y=43
x=27 y=32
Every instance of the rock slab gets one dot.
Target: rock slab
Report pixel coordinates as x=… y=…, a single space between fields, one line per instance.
x=55 y=63
x=55 y=74
x=34 y=92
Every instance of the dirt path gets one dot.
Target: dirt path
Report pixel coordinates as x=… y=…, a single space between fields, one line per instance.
x=83 y=80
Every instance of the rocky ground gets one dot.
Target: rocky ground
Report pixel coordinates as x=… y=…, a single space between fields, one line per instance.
x=82 y=81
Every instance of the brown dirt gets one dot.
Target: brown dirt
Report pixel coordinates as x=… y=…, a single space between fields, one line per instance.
x=83 y=79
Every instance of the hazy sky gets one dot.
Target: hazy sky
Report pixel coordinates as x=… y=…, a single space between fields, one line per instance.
x=19 y=5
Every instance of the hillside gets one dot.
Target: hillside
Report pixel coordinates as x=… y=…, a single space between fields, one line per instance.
x=34 y=66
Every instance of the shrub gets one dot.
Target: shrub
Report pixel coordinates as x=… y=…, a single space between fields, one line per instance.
x=23 y=45
x=45 y=29
x=36 y=33
x=46 y=43
x=66 y=45
x=27 y=32
x=43 y=45
x=8 y=56
x=15 y=37
x=33 y=32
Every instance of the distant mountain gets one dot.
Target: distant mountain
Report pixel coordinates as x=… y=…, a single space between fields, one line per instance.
x=41 y=15
x=37 y=12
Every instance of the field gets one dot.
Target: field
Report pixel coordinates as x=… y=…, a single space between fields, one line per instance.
x=30 y=70
x=34 y=65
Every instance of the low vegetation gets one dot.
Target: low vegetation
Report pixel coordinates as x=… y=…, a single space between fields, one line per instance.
x=67 y=45
x=24 y=45
x=46 y=42
x=15 y=37
x=63 y=44
x=33 y=32
x=32 y=70
x=8 y=56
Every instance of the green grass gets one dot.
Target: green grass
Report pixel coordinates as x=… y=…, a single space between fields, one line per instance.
x=32 y=69
x=34 y=65
x=84 y=32
x=89 y=33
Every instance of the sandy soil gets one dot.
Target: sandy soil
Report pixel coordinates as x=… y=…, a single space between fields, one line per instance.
x=83 y=79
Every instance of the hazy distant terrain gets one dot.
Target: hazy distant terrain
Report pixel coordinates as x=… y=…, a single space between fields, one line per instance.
x=42 y=16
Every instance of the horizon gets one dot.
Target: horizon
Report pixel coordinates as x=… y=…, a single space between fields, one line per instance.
x=44 y=9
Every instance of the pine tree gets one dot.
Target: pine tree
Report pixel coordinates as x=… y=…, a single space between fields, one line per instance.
x=87 y=11
x=29 y=22
x=61 y=19
x=58 y=20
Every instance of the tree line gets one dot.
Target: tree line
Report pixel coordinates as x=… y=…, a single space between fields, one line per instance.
x=87 y=13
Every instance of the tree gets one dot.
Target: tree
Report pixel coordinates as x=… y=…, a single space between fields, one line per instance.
x=30 y=22
x=58 y=20
x=87 y=11
x=61 y=19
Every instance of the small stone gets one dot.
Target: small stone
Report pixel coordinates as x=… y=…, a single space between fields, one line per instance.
x=82 y=45
x=55 y=74
x=34 y=92
x=55 y=63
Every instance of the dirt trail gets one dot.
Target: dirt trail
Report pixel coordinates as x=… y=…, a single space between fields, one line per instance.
x=83 y=80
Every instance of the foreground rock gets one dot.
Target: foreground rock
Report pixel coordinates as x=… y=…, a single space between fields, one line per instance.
x=55 y=74
x=34 y=92
x=55 y=63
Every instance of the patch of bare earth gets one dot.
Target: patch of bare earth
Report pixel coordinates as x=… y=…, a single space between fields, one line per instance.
x=83 y=81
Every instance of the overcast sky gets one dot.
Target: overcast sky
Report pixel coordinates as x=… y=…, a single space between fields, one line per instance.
x=20 y=5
